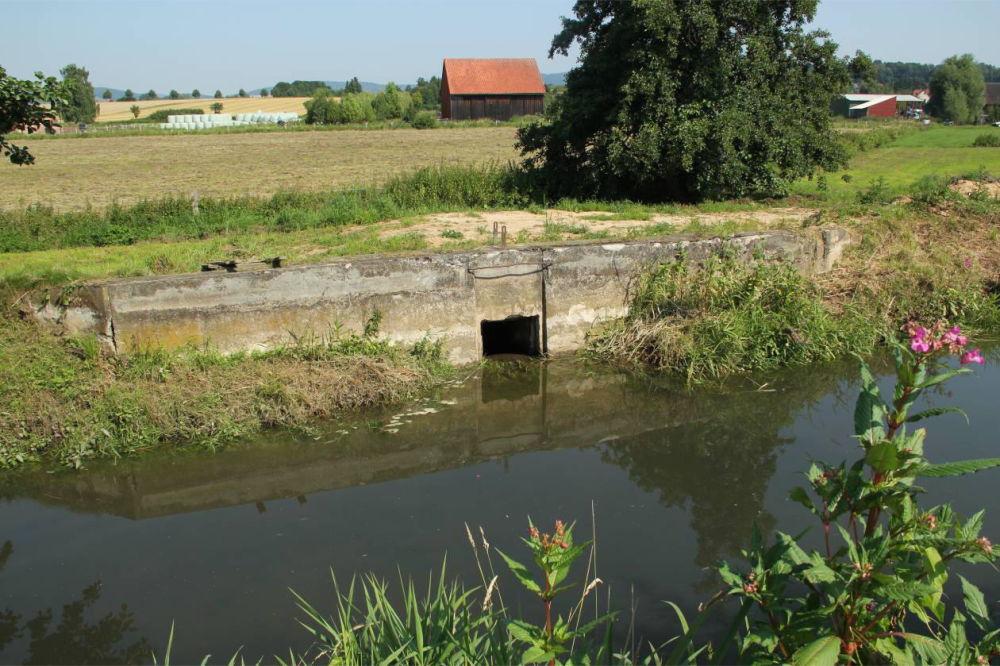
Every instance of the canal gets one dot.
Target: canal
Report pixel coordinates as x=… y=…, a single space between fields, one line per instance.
x=95 y=565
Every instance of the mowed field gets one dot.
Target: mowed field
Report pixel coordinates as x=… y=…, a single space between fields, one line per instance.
x=122 y=110
x=71 y=174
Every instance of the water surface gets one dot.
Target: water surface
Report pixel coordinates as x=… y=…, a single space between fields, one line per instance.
x=97 y=564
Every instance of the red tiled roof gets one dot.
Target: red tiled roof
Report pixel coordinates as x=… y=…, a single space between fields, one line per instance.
x=496 y=76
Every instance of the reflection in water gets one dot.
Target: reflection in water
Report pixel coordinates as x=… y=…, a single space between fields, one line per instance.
x=707 y=454
x=711 y=447
x=73 y=640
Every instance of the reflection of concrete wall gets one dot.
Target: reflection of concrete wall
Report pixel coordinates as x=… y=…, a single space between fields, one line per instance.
x=548 y=407
x=570 y=286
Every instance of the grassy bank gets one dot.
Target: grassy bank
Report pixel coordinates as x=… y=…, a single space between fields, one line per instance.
x=931 y=255
x=64 y=401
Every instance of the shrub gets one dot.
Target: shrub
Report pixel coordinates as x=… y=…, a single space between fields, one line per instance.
x=987 y=141
x=877 y=194
x=424 y=120
x=161 y=115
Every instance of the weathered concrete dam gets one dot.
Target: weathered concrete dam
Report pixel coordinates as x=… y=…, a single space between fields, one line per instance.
x=529 y=299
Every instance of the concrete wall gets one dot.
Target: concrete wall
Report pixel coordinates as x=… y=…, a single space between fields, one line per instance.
x=569 y=286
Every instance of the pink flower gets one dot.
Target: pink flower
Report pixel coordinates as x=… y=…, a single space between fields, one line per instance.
x=968 y=262
x=972 y=357
x=919 y=345
x=955 y=337
x=564 y=545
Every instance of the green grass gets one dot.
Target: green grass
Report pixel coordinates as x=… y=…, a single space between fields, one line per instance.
x=935 y=151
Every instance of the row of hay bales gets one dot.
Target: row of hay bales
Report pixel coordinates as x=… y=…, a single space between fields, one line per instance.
x=210 y=121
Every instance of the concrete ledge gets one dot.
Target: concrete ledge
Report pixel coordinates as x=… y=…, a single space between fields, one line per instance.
x=570 y=286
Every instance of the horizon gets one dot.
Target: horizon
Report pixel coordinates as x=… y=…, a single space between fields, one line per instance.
x=341 y=40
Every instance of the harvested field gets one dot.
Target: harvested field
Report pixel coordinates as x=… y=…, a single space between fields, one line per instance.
x=73 y=174
x=121 y=110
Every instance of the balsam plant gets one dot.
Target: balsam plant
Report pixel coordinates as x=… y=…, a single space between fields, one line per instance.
x=874 y=593
x=554 y=555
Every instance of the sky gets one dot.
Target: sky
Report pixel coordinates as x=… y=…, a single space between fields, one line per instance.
x=234 y=44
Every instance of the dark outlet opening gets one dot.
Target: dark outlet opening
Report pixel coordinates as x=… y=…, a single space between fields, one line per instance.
x=513 y=335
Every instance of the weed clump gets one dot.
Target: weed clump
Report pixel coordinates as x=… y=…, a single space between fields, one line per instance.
x=987 y=141
x=727 y=317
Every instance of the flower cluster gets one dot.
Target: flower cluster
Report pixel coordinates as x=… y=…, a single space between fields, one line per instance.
x=548 y=541
x=985 y=544
x=752 y=585
x=864 y=569
x=926 y=341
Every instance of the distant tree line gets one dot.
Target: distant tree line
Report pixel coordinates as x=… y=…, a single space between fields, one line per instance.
x=389 y=104
x=910 y=76
x=429 y=91
x=298 y=88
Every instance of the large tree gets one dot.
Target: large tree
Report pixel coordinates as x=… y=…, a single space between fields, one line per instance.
x=22 y=109
x=82 y=106
x=957 y=90
x=690 y=100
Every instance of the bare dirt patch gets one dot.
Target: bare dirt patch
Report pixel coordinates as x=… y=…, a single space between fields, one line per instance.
x=439 y=229
x=969 y=187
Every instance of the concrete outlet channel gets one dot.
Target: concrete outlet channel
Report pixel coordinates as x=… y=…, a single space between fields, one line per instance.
x=530 y=299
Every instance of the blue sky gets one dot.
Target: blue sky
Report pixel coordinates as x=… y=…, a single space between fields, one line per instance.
x=233 y=44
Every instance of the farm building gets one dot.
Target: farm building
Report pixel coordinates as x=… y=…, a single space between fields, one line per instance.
x=873 y=106
x=495 y=88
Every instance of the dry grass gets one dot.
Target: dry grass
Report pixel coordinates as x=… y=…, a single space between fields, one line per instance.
x=71 y=174
x=121 y=110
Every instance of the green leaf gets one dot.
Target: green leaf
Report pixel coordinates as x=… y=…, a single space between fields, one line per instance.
x=955 y=643
x=819 y=572
x=521 y=631
x=906 y=591
x=522 y=573
x=868 y=413
x=931 y=650
x=975 y=605
x=800 y=495
x=937 y=411
x=821 y=652
x=943 y=377
x=536 y=655
x=882 y=457
x=956 y=468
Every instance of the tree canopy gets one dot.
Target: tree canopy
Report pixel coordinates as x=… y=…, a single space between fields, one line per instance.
x=297 y=88
x=196 y=93
x=129 y=96
x=218 y=94
x=689 y=100
x=174 y=94
x=81 y=106
x=353 y=87
x=957 y=90
x=21 y=108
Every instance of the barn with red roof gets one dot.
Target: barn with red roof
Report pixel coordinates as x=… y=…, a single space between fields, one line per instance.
x=494 y=88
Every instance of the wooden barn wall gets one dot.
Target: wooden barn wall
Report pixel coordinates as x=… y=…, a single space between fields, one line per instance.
x=494 y=107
